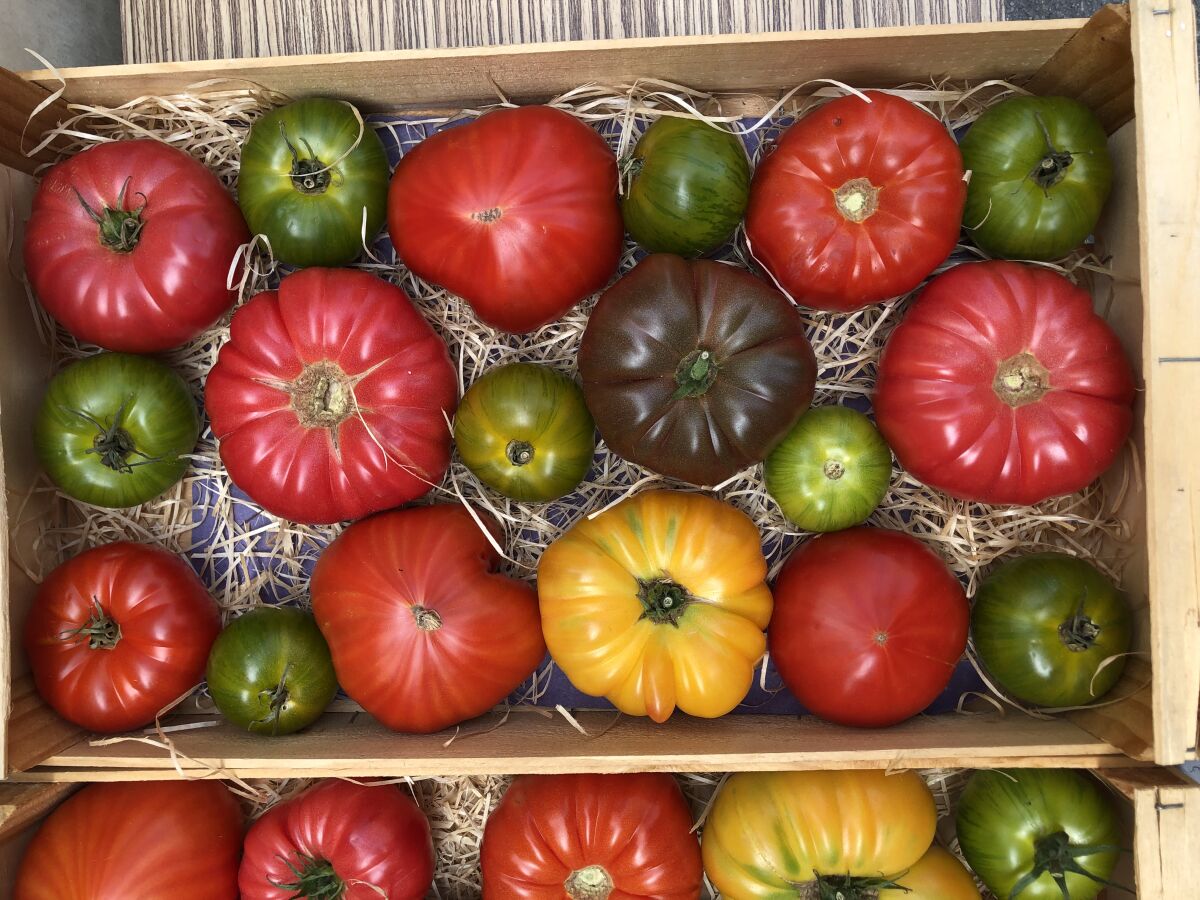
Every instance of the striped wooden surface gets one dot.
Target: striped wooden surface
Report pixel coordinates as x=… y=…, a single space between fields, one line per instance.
x=167 y=30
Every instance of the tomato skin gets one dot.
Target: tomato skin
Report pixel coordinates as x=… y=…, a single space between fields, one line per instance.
x=515 y=212
x=618 y=596
x=689 y=187
x=938 y=393
x=166 y=618
x=133 y=397
x=549 y=829
x=374 y=837
x=269 y=671
x=769 y=832
x=144 y=840
x=1018 y=621
x=318 y=378
x=1008 y=213
x=325 y=227
x=830 y=471
x=822 y=257
x=938 y=875
x=424 y=630
x=1003 y=814
x=165 y=290
x=524 y=408
x=868 y=626
x=638 y=352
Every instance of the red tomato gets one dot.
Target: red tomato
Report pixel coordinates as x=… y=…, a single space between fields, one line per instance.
x=117 y=633
x=129 y=245
x=140 y=840
x=618 y=837
x=859 y=202
x=868 y=626
x=424 y=630
x=331 y=399
x=515 y=212
x=1002 y=385
x=339 y=840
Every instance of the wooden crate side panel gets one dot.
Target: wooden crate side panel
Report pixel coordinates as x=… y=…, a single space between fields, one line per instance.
x=1166 y=845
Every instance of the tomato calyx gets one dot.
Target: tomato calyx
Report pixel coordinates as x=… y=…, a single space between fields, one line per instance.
x=114 y=445
x=857 y=199
x=1055 y=855
x=488 y=216
x=1021 y=379
x=695 y=374
x=316 y=879
x=323 y=396
x=120 y=228
x=664 y=600
x=849 y=887
x=427 y=619
x=1052 y=168
x=833 y=469
x=101 y=630
x=1079 y=633
x=519 y=453
x=309 y=175
x=628 y=170
x=589 y=883
x=277 y=699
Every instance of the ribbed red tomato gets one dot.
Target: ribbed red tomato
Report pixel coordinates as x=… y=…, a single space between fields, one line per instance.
x=515 y=212
x=868 y=626
x=339 y=840
x=583 y=837
x=331 y=398
x=424 y=629
x=117 y=633
x=129 y=245
x=137 y=841
x=1002 y=385
x=859 y=202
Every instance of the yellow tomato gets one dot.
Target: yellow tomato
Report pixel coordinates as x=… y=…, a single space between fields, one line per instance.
x=938 y=875
x=768 y=834
x=658 y=602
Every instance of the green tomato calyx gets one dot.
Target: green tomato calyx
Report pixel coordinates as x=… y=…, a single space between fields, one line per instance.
x=120 y=228
x=589 y=883
x=316 y=879
x=1021 y=379
x=850 y=887
x=695 y=374
x=519 y=453
x=114 y=445
x=309 y=175
x=101 y=630
x=1052 y=168
x=1056 y=856
x=277 y=698
x=1079 y=633
x=664 y=601
x=857 y=200
x=427 y=619
x=629 y=168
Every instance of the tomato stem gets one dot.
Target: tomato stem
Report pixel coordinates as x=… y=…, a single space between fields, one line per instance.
x=120 y=228
x=519 y=453
x=664 y=601
x=1021 y=379
x=323 y=396
x=628 y=169
x=1079 y=632
x=101 y=630
x=695 y=374
x=833 y=469
x=427 y=619
x=857 y=200
x=316 y=879
x=1056 y=856
x=309 y=175
x=854 y=887
x=113 y=444
x=278 y=698
x=589 y=883
x=1053 y=166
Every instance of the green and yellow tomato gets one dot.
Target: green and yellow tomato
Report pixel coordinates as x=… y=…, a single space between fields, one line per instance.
x=1040 y=173
x=524 y=430
x=830 y=471
x=1050 y=630
x=115 y=429
x=270 y=671
x=309 y=171
x=686 y=189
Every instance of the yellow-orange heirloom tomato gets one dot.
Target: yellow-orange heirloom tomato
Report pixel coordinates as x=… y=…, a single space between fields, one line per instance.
x=658 y=603
x=770 y=836
x=938 y=875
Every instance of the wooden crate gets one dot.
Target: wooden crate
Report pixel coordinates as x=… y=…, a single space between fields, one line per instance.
x=1135 y=66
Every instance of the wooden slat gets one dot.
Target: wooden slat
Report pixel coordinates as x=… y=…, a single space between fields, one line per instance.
x=23 y=805
x=18 y=99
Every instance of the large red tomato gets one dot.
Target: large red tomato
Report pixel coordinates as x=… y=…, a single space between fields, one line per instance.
x=424 y=630
x=140 y=840
x=118 y=633
x=868 y=626
x=583 y=837
x=129 y=245
x=1002 y=385
x=331 y=399
x=515 y=212
x=859 y=202
x=339 y=840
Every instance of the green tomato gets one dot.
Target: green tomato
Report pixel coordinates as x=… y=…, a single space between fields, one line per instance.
x=1020 y=828
x=688 y=187
x=313 y=216
x=1044 y=624
x=524 y=430
x=115 y=429
x=270 y=671
x=830 y=471
x=1040 y=173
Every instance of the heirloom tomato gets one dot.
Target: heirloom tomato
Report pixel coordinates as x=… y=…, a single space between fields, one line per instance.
x=687 y=185
x=114 y=430
x=860 y=201
x=1040 y=173
x=584 y=837
x=868 y=626
x=695 y=369
x=129 y=245
x=1038 y=834
x=340 y=841
x=938 y=875
x=424 y=629
x=773 y=834
x=658 y=602
x=525 y=431
x=313 y=179
x=138 y=840
x=515 y=212
x=117 y=633
x=1002 y=385
x=330 y=399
